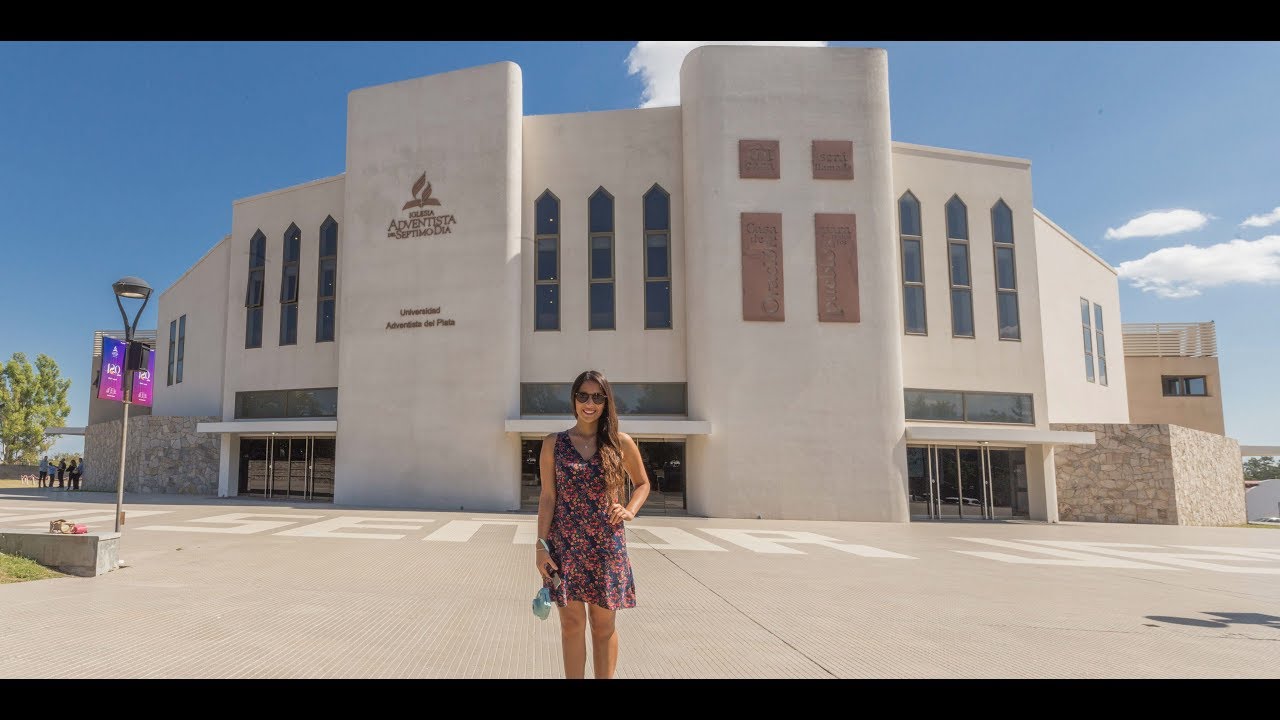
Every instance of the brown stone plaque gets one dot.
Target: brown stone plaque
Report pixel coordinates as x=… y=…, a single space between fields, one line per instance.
x=832 y=159
x=759 y=159
x=836 y=250
x=762 y=292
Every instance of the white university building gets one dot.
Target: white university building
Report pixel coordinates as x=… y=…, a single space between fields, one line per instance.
x=801 y=318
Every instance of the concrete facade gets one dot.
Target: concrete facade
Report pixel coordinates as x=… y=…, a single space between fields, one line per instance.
x=199 y=296
x=427 y=404
x=1151 y=474
x=805 y=377
x=1069 y=272
x=1148 y=403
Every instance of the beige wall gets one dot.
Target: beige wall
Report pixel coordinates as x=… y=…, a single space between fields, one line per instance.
x=201 y=295
x=626 y=152
x=1069 y=272
x=939 y=361
x=271 y=367
x=1209 y=477
x=806 y=417
x=1147 y=403
x=422 y=411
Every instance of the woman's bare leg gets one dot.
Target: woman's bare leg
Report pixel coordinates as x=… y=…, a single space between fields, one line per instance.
x=604 y=641
x=573 y=639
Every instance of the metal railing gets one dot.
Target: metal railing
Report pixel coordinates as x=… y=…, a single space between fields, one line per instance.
x=1170 y=339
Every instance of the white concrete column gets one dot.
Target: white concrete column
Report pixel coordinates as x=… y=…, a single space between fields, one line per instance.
x=1042 y=483
x=224 y=465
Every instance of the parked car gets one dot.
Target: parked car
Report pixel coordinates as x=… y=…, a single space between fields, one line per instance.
x=1267 y=520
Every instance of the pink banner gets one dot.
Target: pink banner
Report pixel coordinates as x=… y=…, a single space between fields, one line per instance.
x=144 y=381
x=111 y=380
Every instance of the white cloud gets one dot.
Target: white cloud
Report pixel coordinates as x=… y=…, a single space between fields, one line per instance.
x=1267 y=220
x=1180 y=272
x=1160 y=222
x=657 y=62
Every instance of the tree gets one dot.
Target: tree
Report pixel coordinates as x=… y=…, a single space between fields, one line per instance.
x=1261 y=468
x=33 y=398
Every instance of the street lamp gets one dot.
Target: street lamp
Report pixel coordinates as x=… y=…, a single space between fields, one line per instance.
x=133 y=288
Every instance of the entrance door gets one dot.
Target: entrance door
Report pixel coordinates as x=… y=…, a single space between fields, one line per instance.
x=287 y=468
x=957 y=482
x=530 y=476
x=664 y=463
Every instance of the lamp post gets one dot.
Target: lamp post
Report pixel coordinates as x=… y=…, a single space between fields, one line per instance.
x=133 y=288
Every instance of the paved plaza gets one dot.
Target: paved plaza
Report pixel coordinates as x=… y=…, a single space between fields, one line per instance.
x=233 y=588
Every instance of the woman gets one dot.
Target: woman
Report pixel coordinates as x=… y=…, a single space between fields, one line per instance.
x=582 y=541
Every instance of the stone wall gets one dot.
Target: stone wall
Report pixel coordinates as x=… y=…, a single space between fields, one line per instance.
x=165 y=455
x=1126 y=477
x=1208 y=477
x=1164 y=474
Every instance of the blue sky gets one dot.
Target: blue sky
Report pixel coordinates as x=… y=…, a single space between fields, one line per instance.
x=124 y=159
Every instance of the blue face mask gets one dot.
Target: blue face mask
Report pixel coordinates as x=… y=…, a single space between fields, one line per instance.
x=542 y=603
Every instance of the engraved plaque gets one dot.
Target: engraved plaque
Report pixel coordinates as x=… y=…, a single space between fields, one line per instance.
x=832 y=159
x=836 y=250
x=762 y=291
x=759 y=159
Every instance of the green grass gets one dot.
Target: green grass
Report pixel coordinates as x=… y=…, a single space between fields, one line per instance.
x=1261 y=525
x=14 y=568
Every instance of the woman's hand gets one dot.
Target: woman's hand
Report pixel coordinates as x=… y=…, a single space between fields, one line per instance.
x=542 y=559
x=618 y=514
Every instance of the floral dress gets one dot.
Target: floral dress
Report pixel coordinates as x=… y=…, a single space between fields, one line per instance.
x=590 y=552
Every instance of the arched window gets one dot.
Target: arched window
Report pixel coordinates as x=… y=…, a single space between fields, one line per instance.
x=601 y=271
x=958 y=260
x=289 y=286
x=911 y=238
x=657 y=258
x=546 y=274
x=254 y=290
x=1006 y=272
x=327 y=288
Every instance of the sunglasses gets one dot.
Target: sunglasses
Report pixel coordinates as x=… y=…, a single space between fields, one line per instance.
x=595 y=398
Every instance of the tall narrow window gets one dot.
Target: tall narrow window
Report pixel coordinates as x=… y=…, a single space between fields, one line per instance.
x=1102 y=345
x=913 y=312
x=182 y=347
x=1088 y=339
x=657 y=258
x=1006 y=272
x=289 y=286
x=546 y=279
x=958 y=255
x=173 y=349
x=327 y=288
x=600 y=224
x=254 y=292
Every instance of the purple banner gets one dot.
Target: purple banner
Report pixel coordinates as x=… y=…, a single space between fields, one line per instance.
x=111 y=381
x=144 y=381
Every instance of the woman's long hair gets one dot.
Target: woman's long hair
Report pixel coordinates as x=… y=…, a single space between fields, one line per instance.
x=607 y=443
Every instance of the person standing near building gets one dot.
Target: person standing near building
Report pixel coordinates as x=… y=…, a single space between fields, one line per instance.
x=44 y=470
x=80 y=473
x=62 y=474
x=582 y=541
x=73 y=476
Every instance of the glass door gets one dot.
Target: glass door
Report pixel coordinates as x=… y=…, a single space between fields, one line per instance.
x=664 y=463
x=956 y=482
x=287 y=468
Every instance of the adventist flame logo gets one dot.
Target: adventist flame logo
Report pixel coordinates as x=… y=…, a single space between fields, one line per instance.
x=425 y=199
x=421 y=222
